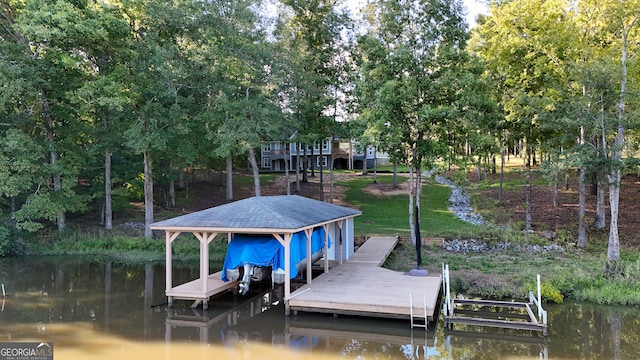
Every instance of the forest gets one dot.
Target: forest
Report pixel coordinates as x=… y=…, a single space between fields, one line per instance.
x=103 y=101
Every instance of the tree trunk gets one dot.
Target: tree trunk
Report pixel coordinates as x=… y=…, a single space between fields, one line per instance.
x=172 y=187
x=350 y=155
x=254 y=169
x=297 y=168
x=148 y=195
x=182 y=179
x=305 y=162
x=229 y=195
x=364 y=162
x=527 y=215
x=331 y=176
x=395 y=175
x=375 y=165
x=582 y=231
x=601 y=214
x=555 y=190
x=313 y=161
x=613 y=249
x=108 y=212
x=57 y=186
x=55 y=173
x=286 y=168
x=321 y=169
x=502 y=147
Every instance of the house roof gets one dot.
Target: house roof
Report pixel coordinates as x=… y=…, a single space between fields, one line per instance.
x=262 y=214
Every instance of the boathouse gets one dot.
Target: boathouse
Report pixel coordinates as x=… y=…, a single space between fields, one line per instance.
x=278 y=216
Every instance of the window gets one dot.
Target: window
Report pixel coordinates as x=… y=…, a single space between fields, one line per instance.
x=322 y=161
x=266 y=163
x=325 y=145
x=266 y=147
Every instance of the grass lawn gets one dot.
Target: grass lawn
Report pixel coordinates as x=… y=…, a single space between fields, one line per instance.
x=389 y=215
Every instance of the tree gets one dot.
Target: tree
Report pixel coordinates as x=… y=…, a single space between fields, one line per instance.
x=312 y=35
x=528 y=45
x=162 y=100
x=103 y=98
x=42 y=62
x=624 y=18
x=412 y=62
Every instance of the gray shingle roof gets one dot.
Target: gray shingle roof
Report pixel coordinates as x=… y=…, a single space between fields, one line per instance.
x=265 y=212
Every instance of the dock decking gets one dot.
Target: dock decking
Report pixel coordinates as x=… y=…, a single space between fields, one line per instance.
x=361 y=287
x=192 y=290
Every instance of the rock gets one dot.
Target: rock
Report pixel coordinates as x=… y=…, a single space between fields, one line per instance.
x=460 y=202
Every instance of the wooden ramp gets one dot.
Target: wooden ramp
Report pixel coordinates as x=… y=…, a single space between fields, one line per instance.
x=361 y=287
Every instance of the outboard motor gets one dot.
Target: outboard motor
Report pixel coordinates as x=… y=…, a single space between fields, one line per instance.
x=246 y=279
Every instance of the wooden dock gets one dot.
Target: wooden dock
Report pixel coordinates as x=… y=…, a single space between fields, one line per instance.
x=361 y=287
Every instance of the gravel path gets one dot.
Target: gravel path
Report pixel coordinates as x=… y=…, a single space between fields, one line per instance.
x=459 y=201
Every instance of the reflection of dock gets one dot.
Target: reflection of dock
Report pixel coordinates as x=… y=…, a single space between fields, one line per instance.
x=361 y=287
x=359 y=336
x=363 y=331
x=204 y=322
x=463 y=337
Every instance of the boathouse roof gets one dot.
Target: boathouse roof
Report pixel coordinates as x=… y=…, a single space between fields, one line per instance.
x=261 y=214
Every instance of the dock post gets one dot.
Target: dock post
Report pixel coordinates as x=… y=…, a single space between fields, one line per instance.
x=539 y=298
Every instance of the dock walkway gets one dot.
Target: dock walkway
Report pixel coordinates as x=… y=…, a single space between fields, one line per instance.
x=361 y=287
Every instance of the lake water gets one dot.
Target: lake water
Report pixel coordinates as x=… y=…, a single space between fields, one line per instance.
x=103 y=310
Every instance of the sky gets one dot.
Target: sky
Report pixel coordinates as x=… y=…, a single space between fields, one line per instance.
x=474 y=8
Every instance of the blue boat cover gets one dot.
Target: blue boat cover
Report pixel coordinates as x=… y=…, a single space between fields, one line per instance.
x=265 y=250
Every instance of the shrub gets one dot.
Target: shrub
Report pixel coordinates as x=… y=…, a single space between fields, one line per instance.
x=550 y=293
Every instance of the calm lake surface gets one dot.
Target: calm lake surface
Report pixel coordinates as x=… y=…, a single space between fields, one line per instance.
x=103 y=310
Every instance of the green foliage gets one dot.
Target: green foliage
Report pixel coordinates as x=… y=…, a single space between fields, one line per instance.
x=6 y=242
x=550 y=293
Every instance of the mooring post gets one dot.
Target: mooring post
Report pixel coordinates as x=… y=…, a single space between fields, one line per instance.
x=448 y=297
x=539 y=298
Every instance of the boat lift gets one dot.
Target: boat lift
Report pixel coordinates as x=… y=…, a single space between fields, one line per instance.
x=510 y=321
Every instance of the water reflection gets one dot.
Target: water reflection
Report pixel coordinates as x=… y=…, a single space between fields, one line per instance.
x=109 y=310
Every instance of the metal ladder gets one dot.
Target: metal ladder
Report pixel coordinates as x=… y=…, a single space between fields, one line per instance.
x=418 y=321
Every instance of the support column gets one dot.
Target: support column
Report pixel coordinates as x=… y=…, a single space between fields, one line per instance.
x=204 y=238
x=309 y=233
x=169 y=237
x=340 y=247
x=286 y=243
x=326 y=248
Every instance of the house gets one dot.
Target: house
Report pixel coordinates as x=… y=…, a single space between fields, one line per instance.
x=346 y=154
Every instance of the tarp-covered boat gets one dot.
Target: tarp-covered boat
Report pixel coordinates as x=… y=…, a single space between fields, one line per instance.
x=258 y=255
